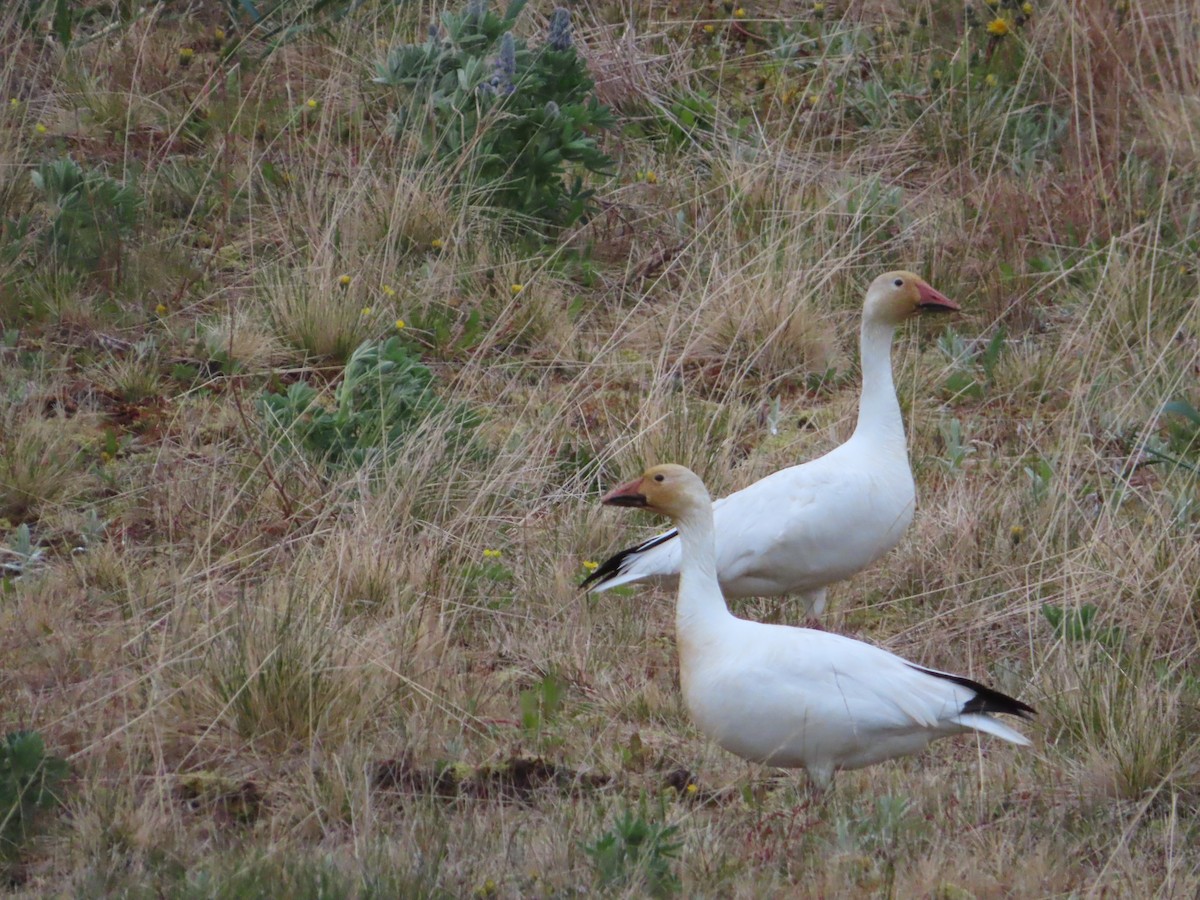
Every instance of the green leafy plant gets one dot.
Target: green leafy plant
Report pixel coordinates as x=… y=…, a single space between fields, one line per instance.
x=512 y=125
x=91 y=214
x=972 y=364
x=1079 y=625
x=1183 y=437
x=637 y=850
x=957 y=448
x=1041 y=476
x=30 y=783
x=540 y=705
x=384 y=395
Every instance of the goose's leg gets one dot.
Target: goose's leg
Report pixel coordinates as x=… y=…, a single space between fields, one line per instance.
x=814 y=604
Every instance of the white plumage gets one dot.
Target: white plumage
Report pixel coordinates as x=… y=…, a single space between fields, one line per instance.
x=795 y=697
x=807 y=526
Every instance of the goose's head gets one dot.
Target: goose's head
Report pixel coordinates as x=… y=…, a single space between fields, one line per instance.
x=672 y=490
x=895 y=296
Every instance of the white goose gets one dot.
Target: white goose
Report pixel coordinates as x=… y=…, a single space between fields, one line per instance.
x=807 y=526
x=796 y=697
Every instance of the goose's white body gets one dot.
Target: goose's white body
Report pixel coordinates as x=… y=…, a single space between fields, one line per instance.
x=796 y=697
x=805 y=527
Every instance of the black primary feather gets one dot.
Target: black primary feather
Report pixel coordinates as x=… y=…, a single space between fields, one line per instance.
x=611 y=567
x=986 y=699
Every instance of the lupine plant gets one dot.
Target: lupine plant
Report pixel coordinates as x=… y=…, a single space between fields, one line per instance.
x=513 y=126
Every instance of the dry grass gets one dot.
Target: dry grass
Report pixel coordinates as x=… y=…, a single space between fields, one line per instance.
x=272 y=675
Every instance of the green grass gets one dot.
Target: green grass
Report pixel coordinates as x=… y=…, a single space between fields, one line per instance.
x=273 y=674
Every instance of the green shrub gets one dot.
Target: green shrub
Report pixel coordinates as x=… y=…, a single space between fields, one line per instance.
x=637 y=850
x=384 y=396
x=29 y=784
x=91 y=215
x=511 y=124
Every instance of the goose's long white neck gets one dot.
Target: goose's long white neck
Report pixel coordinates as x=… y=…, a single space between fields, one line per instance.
x=701 y=605
x=879 y=418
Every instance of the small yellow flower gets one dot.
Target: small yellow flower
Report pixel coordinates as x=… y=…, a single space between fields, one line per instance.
x=161 y=309
x=219 y=34
x=344 y=281
x=1016 y=533
x=1027 y=9
x=515 y=289
x=739 y=13
x=1183 y=270
x=691 y=789
x=105 y=456
x=936 y=74
x=998 y=27
x=591 y=565
x=40 y=128
x=993 y=2
x=389 y=291
x=14 y=103
x=810 y=99
x=437 y=244
x=991 y=80
x=709 y=29
x=312 y=103
x=366 y=310
x=400 y=326
x=651 y=178
x=185 y=55
x=818 y=8
x=491 y=554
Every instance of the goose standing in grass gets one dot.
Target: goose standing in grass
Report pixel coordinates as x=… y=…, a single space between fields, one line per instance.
x=807 y=526
x=795 y=697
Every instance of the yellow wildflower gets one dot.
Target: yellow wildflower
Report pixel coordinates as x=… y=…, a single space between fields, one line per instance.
x=491 y=554
x=312 y=103
x=739 y=13
x=14 y=103
x=1016 y=533
x=709 y=29
x=651 y=178
x=591 y=565
x=400 y=325
x=366 y=310
x=691 y=789
x=818 y=8
x=515 y=289
x=389 y=291
x=185 y=55
x=40 y=128
x=998 y=27
x=161 y=309
x=437 y=244
x=936 y=74
x=344 y=281
x=1027 y=9
x=991 y=80
x=219 y=34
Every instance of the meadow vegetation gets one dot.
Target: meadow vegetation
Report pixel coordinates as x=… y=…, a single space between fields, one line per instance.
x=321 y=331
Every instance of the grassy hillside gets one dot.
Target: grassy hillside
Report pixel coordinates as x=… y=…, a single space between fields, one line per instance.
x=309 y=393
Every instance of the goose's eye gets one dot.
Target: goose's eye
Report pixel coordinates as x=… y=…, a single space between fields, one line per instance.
x=659 y=477
x=899 y=282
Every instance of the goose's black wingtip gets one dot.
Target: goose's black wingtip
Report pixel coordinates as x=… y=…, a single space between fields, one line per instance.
x=608 y=569
x=612 y=566
x=986 y=699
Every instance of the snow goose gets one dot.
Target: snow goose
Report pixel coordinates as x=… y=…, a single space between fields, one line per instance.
x=795 y=697
x=807 y=526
